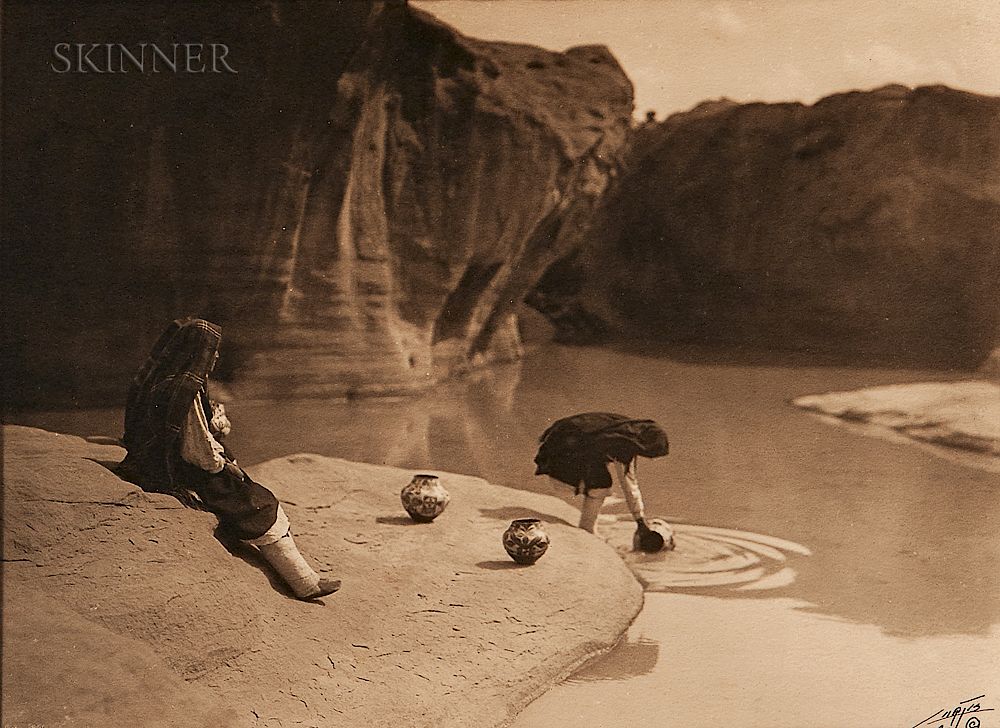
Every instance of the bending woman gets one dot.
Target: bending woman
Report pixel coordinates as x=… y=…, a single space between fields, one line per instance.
x=172 y=450
x=583 y=450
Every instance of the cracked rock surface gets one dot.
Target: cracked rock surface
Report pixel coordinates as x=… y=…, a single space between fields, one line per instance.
x=127 y=602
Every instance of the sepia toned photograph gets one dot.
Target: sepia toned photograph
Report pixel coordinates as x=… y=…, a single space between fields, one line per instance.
x=500 y=363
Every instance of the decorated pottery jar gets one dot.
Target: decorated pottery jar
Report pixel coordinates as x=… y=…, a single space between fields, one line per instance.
x=424 y=498
x=657 y=536
x=525 y=540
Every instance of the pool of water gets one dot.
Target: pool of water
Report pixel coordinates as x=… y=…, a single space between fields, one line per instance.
x=821 y=576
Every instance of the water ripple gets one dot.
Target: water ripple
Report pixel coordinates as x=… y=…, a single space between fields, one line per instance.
x=706 y=556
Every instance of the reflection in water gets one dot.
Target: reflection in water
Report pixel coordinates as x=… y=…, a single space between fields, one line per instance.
x=767 y=663
x=631 y=658
x=898 y=546
x=899 y=539
x=878 y=517
x=463 y=427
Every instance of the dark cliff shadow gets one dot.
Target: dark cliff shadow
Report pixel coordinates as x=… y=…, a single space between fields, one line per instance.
x=509 y=513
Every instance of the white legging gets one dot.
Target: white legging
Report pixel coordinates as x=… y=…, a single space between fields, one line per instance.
x=625 y=476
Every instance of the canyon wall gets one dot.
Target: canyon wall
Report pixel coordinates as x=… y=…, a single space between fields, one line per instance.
x=362 y=205
x=866 y=227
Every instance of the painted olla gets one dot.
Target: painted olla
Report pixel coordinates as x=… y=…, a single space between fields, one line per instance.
x=525 y=540
x=657 y=536
x=424 y=498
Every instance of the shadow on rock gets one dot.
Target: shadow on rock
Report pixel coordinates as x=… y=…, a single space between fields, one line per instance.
x=251 y=556
x=397 y=521
x=501 y=565
x=231 y=543
x=112 y=465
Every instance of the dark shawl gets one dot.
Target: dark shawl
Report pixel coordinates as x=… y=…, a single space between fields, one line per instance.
x=160 y=397
x=576 y=449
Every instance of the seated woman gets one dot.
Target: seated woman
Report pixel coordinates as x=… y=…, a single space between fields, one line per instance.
x=172 y=450
x=581 y=449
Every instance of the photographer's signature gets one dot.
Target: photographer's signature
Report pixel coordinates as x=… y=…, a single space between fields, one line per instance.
x=963 y=715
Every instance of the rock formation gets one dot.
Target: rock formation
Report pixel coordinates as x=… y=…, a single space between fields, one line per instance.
x=120 y=608
x=362 y=205
x=962 y=415
x=866 y=225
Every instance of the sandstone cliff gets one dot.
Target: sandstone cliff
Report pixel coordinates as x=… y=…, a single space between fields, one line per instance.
x=362 y=206
x=866 y=225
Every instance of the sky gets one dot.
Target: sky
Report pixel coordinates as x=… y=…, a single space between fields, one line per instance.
x=679 y=53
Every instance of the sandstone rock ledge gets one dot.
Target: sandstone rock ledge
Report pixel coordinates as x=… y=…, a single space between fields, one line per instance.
x=962 y=416
x=121 y=608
